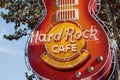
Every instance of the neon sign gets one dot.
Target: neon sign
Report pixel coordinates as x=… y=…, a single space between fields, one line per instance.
x=65 y=41
x=69 y=43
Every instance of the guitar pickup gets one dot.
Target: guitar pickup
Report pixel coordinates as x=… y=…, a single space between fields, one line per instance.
x=66 y=2
x=71 y=14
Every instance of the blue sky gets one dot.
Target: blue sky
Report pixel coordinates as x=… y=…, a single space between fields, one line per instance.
x=12 y=64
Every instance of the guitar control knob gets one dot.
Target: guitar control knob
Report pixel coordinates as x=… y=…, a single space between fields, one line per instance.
x=78 y=74
x=100 y=59
x=90 y=69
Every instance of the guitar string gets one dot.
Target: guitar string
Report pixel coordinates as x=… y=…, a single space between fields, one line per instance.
x=69 y=9
x=59 y=12
x=72 y=9
x=62 y=10
x=66 y=9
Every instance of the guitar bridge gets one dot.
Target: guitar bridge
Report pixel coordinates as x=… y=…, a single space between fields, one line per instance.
x=71 y=14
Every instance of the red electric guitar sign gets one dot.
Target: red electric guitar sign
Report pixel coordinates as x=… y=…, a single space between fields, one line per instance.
x=69 y=44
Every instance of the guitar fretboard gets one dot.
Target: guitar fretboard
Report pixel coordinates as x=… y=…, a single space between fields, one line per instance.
x=66 y=10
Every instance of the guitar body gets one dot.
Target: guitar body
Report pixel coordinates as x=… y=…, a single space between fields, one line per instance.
x=94 y=56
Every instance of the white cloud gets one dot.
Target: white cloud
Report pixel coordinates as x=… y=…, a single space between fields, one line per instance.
x=7 y=51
